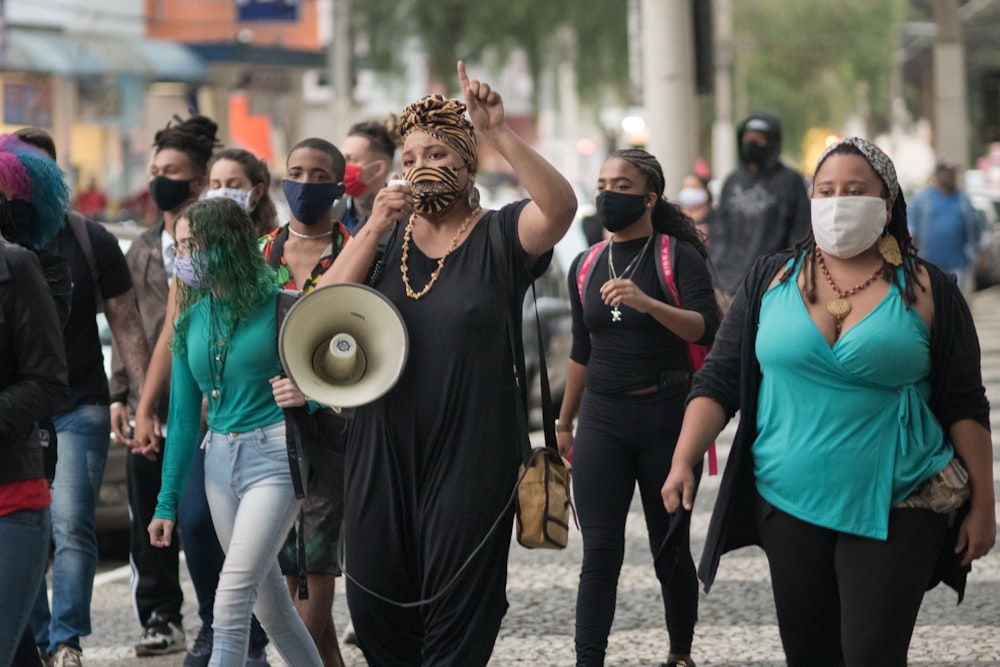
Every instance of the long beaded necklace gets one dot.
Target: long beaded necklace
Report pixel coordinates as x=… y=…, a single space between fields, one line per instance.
x=616 y=314
x=220 y=342
x=434 y=276
x=840 y=307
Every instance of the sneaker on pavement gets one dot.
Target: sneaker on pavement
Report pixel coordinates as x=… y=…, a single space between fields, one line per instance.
x=67 y=656
x=160 y=637
x=201 y=651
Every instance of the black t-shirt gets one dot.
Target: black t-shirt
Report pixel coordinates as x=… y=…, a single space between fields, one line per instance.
x=87 y=379
x=630 y=354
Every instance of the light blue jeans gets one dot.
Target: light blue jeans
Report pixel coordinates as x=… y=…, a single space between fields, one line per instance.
x=25 y=539
x=83 y=435
x=249 y=488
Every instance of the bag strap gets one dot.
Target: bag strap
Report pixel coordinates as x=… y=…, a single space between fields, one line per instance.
x=583 y=276
x=503 y=278
x=78 y=225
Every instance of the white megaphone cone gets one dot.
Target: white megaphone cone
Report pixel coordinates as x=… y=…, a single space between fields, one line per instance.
x=343 y=345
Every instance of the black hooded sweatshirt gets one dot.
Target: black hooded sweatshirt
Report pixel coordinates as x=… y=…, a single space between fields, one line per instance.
x=759 y=212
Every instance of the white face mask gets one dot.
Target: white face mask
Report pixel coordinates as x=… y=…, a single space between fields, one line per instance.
x=241 y=197
x=847 y=226
x=691 y=197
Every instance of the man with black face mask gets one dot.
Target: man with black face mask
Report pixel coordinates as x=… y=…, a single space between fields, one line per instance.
x=763 y=206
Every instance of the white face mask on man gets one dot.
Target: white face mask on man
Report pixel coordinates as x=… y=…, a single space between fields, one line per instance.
x=847 y=226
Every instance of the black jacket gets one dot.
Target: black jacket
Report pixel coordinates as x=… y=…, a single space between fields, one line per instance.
x=33 y=374
x=731 y=377
x=760 y=211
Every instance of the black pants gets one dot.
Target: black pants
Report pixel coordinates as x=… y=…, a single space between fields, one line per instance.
x=848 y=600
x=622 y=440
x=156 y=581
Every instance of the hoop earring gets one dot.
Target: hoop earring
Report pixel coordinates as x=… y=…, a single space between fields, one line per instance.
x=474 y=198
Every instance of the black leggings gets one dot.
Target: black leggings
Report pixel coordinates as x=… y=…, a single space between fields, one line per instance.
x=848 y=600
x=621 y=440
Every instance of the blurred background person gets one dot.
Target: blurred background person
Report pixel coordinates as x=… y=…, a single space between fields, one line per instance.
x=695 y=200
x=426 y=463
x=225 y=349
x=369 y=149
x=947 y=229
x=763 y=206
x=239 y=175
x=91 y=201
x=851 y=490
x=627 y=379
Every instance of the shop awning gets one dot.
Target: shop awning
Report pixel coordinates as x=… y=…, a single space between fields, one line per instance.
x=77 y=55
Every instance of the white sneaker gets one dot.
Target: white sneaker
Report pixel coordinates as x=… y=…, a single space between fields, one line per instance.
x=161 y=636
x=67 y=656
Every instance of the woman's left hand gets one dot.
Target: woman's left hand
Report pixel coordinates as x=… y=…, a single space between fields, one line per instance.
x=622 y=291
x=286 y=394
x=977 y=534
x=484 y=104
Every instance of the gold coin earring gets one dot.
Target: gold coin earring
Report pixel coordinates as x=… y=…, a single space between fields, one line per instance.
x=888 y=247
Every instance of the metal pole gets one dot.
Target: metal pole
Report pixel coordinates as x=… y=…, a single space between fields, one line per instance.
x=951 y=137
x=723 y=137
x=339 y=55
x=668 y=87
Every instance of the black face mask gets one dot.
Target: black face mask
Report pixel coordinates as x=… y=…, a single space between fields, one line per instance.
x=617 y=210
x=753 y=153
x=168 y=194
x=15 y=215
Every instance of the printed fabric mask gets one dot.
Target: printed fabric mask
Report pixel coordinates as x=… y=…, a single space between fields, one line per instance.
x=168 y=194
x=309 y=202
x=618 y=210
x=353 y=185
x=241 y=197
x=847 y=226
x=435 y=189
x=192 y=270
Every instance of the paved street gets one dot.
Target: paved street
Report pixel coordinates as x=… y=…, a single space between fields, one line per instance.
x=737 y=624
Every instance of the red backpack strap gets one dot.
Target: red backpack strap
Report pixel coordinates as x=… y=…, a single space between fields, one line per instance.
x=696 y=353
x=588 y=261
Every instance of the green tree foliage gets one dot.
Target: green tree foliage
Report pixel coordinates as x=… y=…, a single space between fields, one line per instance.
x=815 y=63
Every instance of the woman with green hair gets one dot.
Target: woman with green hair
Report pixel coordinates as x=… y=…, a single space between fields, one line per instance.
x=225 y=348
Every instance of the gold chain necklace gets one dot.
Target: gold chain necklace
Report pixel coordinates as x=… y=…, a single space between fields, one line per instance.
x=434 y=276
x=840 y=307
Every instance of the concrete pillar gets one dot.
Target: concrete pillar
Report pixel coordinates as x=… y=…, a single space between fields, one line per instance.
x=339 y=54
x=951 y=133
x=668 y=87
x=723 y=132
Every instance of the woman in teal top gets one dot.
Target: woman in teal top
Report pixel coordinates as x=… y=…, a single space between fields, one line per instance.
x=864 y=423
x=225 y=348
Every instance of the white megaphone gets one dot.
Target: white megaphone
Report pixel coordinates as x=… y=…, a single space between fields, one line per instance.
x=343 y=345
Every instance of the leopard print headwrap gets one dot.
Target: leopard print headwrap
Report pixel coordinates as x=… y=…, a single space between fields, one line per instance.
x=444 y=119
x=879 y=161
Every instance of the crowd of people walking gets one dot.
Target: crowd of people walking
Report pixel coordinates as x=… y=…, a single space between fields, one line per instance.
x=865 y=476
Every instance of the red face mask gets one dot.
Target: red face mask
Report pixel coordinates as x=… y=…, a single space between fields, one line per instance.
x=353 y=185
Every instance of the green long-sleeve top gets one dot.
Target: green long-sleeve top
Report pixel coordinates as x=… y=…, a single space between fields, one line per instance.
x=244 y=401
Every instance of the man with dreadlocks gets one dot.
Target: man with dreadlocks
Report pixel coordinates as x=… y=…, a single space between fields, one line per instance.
x=864 y=427
x=431 y=465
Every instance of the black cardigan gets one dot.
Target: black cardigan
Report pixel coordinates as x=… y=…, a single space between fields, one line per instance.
x=731 y=377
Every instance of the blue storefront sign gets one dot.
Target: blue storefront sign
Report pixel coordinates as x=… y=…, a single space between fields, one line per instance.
x=268 y=10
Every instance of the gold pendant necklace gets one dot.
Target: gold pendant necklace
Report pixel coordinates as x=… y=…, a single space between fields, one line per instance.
x=434 y=276
x=840 y=307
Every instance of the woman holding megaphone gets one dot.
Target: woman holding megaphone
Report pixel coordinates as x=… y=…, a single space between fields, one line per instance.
x=224 y=348
x=431 y=464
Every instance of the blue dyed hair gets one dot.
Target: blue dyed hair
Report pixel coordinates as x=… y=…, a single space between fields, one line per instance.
x=31 y=175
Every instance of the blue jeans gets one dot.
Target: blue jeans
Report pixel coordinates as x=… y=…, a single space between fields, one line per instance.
x=249 y=488
x=25 y=539
x=83 y=435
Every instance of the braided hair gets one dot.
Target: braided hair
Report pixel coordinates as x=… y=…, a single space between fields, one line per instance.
x=805 y=250
x=668 y=218
x=194 y=136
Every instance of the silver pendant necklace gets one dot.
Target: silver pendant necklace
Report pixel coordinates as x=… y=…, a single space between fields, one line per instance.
x=616 y=314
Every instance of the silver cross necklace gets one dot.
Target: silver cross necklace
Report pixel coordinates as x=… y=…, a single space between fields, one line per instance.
x=616 y=314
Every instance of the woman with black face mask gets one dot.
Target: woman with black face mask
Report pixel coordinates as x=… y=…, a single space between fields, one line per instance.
x=639 y=299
